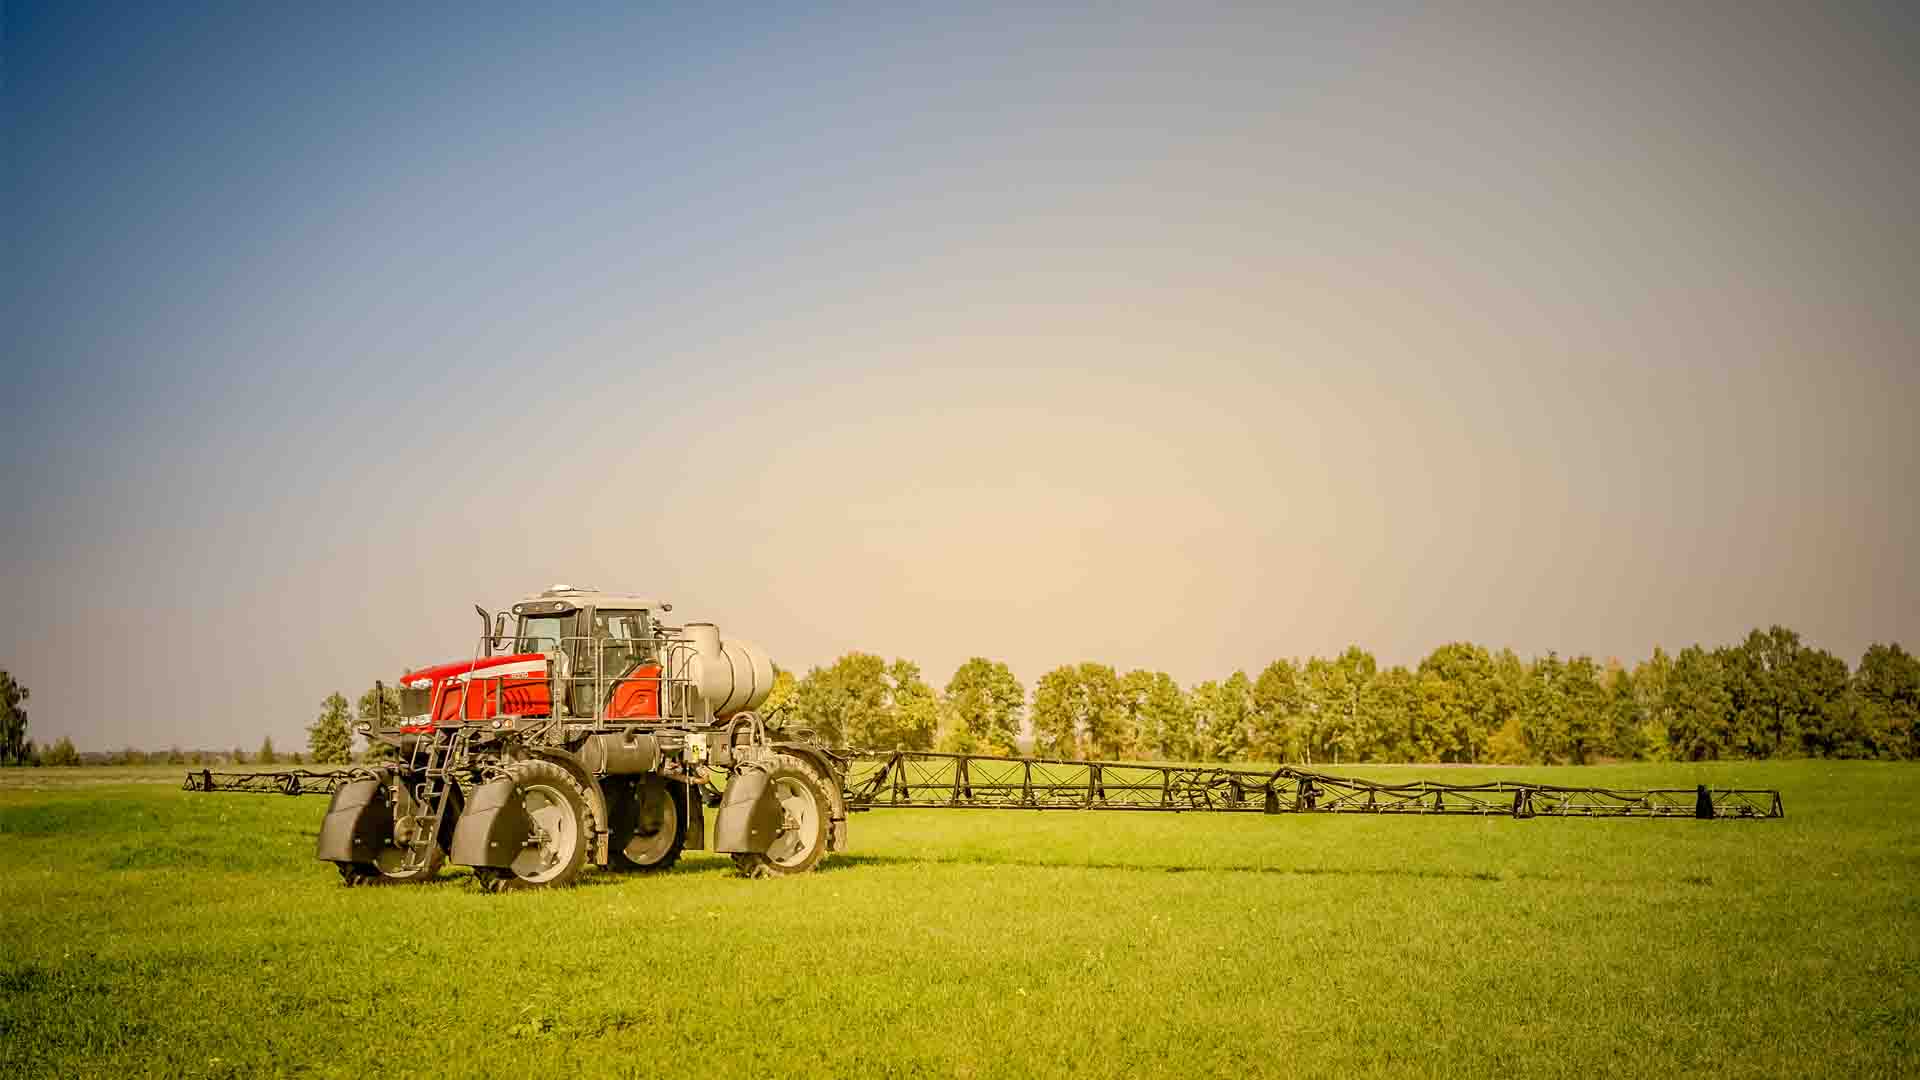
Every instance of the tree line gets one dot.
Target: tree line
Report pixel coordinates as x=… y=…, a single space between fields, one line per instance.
x=329 y=740
x=63 y=752
x=1771 y=695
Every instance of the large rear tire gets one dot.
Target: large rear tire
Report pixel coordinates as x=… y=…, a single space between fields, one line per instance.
x=805 y=807
x=556 y=847
x=643 y=825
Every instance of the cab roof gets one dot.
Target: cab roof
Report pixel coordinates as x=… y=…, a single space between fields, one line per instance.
x=568 y=597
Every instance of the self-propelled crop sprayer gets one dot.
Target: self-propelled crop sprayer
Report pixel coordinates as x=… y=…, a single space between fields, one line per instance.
x=585 y=729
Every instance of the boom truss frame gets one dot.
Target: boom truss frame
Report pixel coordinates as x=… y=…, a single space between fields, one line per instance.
x=290 y=782
x=929 y=780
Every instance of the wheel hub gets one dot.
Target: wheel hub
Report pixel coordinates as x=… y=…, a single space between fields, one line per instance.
x=799 y=823
x=552 y=837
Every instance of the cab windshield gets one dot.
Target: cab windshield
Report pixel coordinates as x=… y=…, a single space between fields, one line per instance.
x=541 y=633
x=619 y=639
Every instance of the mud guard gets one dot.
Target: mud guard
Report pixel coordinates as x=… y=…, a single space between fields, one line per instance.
x=749 y=816
x=494 y=828
x=359 y=823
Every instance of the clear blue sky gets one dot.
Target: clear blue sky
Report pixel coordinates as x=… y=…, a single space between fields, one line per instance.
x=1175 y=337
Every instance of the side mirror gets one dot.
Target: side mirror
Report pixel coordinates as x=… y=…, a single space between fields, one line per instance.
x=500 y=627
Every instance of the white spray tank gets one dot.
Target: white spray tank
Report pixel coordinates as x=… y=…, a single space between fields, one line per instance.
x=733 y=676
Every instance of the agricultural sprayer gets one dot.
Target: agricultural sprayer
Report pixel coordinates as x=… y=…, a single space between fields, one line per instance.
x=585 y=729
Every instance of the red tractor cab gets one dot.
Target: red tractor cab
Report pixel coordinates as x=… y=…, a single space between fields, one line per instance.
x=601 y=658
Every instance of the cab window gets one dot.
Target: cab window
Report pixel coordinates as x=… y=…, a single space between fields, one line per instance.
x=541 y=633
x=622 y=638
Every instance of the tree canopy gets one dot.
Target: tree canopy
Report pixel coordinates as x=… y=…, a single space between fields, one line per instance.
x=985 y=706
x=62 y=752
x=15 y=747
x=1770 y=695
x=329 y=738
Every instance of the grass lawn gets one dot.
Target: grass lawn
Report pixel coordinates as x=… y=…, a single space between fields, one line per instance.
x=144 y=930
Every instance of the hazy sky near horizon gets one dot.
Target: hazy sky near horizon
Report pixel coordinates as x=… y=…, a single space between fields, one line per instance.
x=1175 y=337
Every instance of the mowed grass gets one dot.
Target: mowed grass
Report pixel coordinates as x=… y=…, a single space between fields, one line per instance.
x=147 y=931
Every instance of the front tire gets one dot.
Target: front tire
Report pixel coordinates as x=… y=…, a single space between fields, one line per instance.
x=556 y=847
x=389 y=866
x=805 y=808
x=388 y=869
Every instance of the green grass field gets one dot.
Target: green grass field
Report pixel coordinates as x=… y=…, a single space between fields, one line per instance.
x=147 y=931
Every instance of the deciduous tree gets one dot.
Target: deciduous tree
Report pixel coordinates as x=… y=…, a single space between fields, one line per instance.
x=1338 y=703
x=839 y=702
x=1102 y=719
x=784 y=686
x=61 y=753
x=15 y=747
x=1625 y=727
x=1159 y=715
x=909 y=712
x=1584 y=703
x=1887 y=686
x=1652 y=704
x=864 y=702
x=1078 y=710
x=1460 y=704
x=1543 y=709
x=985 y=704
x=1396 y=705
x=1223 y=717
x=1828 y=716
x=329 y=738
x=1699 y=709
x=1056 y=713
x=1279 y=712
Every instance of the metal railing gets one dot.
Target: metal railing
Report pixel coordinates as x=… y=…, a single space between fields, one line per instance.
x=616 y=663
x=581 y=686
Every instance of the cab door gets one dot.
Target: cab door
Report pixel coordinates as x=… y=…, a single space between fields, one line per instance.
x=630 y=670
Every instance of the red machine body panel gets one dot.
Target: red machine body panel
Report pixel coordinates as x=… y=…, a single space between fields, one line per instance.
x=514 y=684
x=517 y=685
x=637 y=695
